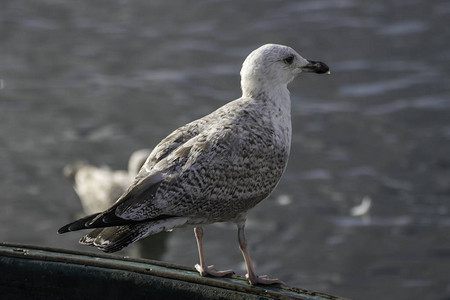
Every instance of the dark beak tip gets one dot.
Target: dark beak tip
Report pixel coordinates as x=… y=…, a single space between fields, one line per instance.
x=317 y=67
x=323 y=68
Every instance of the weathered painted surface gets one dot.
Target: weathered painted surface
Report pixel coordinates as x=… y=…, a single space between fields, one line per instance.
x=29 y=272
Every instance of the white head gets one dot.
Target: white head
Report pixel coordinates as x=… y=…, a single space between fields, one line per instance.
x=272 y=67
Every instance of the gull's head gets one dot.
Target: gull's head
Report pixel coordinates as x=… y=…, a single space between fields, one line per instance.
x=272 y=66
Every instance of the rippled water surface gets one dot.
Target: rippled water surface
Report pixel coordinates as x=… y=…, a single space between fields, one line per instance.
x=93 y=80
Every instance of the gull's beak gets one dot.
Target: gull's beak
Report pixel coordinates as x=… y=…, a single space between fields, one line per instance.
x=316 y=67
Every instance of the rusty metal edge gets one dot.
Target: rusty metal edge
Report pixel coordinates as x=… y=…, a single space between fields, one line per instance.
x=88 y=258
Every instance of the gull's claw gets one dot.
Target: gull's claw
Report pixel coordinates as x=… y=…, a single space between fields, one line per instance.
x=263 y=279
x=211 y=271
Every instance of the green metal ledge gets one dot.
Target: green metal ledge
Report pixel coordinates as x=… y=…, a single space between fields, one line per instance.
x=30 y=272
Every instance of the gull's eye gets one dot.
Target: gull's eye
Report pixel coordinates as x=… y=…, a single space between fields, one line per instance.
x=288 y=60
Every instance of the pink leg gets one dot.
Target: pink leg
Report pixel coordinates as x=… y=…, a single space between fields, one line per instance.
x=202 y=268
x=251 y=275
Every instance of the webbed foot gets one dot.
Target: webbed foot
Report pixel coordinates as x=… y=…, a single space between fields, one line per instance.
x=263 y=279
x=211 y=271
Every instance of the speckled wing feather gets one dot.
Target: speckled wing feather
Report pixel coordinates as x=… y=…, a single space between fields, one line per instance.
x=212 y=169
x=144 y=185
x=147 y=180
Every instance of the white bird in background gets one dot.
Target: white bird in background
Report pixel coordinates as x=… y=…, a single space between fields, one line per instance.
x=363 y=208
x=99 y=187
x=214 y=169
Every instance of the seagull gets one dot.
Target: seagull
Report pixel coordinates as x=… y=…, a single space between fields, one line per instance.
x=214 y=169
x=99 y=187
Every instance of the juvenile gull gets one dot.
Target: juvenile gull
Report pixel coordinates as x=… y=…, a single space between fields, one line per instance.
x=214 y=169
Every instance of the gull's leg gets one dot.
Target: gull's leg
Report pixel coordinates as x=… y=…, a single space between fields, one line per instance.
x=202 y=268
x=251 y=275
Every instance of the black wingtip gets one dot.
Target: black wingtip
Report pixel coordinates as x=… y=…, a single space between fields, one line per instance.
x=71 y=227
x=78 y=224
x=64 y=229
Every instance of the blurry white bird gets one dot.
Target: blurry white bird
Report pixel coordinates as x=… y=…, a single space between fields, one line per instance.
x=214 y=169
x=363 y=208
x=99 y=187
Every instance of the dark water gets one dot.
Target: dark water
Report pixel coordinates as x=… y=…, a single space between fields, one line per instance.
x=98 y=80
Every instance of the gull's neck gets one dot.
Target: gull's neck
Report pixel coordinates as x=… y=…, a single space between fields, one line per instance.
x=275 y=94
x=277 y=106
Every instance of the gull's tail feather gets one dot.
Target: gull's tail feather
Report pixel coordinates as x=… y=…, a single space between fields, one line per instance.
x=112 y=239
x=89 y=238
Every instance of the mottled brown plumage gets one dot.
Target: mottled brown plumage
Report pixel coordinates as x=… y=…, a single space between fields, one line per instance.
x=214 y=169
